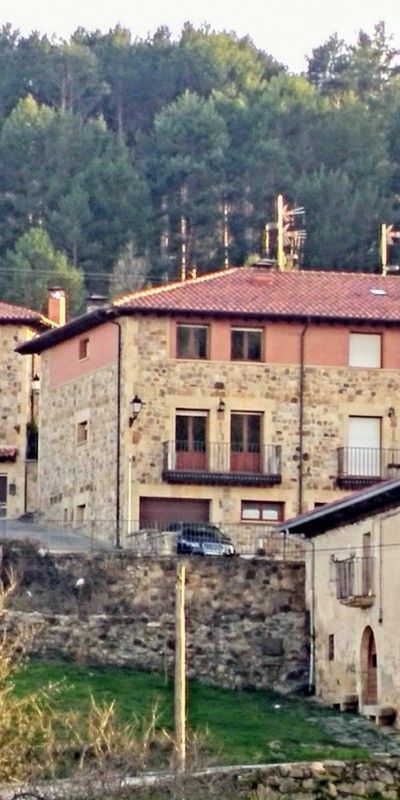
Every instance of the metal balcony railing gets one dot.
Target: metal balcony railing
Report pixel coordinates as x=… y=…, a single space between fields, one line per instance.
x=222 y=459
x=355 y=580
x=363 y=465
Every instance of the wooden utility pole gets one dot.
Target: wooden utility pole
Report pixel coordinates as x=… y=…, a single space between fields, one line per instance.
x=183 y=233
x=383 y=248
x=180 y=670
x=280 y=255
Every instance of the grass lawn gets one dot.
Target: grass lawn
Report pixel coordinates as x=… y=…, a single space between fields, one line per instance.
x=237 y=726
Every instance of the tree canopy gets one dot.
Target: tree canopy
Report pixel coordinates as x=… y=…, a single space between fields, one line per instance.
x=119 y=154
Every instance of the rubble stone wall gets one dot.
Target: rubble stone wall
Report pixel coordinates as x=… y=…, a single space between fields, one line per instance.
x=245 y=619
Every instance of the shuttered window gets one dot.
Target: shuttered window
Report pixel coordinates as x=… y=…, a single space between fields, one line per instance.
x=365 y=350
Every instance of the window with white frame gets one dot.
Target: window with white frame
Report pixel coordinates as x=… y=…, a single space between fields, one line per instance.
x=262 y=511
x=365 y=349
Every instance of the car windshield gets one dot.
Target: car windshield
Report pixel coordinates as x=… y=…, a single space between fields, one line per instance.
x=196 y=530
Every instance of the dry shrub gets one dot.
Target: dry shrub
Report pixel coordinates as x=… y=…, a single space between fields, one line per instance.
x=38 y=741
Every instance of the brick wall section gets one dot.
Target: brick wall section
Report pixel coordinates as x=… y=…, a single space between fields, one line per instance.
x=246 y=621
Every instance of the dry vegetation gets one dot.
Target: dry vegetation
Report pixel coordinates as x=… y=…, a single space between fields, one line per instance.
x=38 y=741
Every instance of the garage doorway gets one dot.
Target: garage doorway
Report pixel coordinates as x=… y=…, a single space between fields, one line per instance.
x=159 y=512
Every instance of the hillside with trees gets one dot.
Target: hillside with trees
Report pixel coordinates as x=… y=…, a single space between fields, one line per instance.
x=119 y=154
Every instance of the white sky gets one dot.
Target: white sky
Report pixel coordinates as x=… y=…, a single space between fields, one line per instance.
x=287 y=30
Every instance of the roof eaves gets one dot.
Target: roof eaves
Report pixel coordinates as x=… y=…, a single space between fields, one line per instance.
x=174 y=311
x=64 y=332
x=346 y=510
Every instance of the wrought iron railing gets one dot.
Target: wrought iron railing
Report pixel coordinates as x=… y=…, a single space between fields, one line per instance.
x=368 y=462
x=217 y=457
x=355 y=578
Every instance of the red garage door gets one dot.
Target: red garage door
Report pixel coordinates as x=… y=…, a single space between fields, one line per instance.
x=160 y=511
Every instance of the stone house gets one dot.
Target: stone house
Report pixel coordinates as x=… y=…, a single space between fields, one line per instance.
x=261 y=394
x=352 y=589
x=18 y=408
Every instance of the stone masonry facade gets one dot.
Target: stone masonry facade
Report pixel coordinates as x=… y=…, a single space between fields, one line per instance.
x=15 y=412
x=84 y=475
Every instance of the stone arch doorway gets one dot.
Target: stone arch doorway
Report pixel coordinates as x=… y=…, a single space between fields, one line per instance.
x=369 y=664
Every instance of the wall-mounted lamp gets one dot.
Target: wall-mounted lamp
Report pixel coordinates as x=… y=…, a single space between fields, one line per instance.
x=135 y=408
x=35 y=384
x=391 y=412
x=221 y=406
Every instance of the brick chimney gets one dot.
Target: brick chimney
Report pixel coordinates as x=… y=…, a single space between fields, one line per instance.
x=56 y=305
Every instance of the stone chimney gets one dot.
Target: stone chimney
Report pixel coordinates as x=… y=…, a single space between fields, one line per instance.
x=57 y=306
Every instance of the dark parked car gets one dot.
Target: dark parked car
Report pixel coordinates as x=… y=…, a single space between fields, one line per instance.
x=201 y=538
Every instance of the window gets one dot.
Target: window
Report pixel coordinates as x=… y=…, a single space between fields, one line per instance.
x=331 y=647
x=80 y=514
x=262 y=511
x=3 y=495
x=245 y=442
x=82 y=432
x=192 y=341
x=246 y=344
x=365 y=350
x=191 y=439
x=83 y=349
x=363 y=454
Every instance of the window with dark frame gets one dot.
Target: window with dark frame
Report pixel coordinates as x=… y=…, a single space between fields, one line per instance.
x=192 y=341
x=245 y=432
x=246 y=344
x=331 y=647
x=191 y=440
x=83 y=348
x=262 y=511
x=82 y=432
x=3 y=495
x=80 y=513
x=190 y=432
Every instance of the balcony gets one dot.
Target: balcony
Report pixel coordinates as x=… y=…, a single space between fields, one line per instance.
x=221 y=463
x=355 y=580
x=363 y=466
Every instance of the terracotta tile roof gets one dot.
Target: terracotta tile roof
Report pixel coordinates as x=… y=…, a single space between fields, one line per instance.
x=260 y=291
x=9 y=313
x=346 y=510
x=252 y=292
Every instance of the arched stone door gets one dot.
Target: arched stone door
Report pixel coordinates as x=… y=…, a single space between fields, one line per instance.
x=369 y=664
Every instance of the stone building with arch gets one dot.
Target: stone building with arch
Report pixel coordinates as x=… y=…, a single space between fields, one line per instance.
x=353 y=589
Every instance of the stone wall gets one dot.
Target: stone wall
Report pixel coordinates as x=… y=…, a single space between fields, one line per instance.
x=379 y=777
x=376 y=778
x=246 y=620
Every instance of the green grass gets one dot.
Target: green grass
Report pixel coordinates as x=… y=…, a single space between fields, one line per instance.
x=235 y=726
